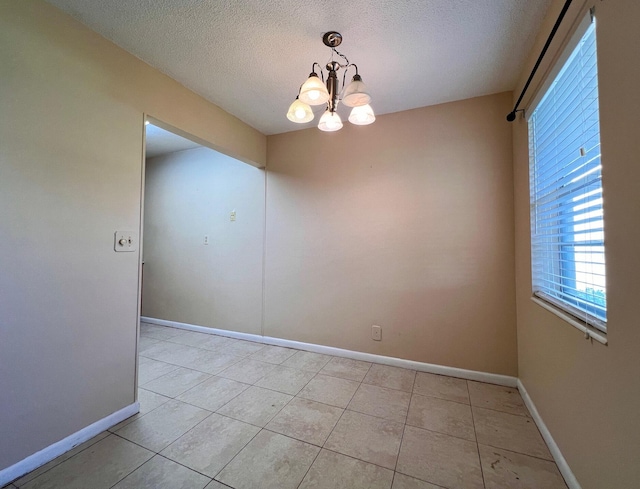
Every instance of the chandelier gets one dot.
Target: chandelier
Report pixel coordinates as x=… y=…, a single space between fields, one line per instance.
x=316 y=91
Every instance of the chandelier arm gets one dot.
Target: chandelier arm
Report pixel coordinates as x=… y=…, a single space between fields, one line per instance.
x=344 y=77
x=313 y=66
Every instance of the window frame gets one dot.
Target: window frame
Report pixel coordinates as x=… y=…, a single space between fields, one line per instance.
x=590 y=324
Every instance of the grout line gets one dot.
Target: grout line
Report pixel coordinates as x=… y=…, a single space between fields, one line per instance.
x=310 y=465
x=422 y=480
x=413 y=383
x=441 y=399
x=127 y=475
x=183 y=465
x=400 y=447
x=551 y=460
x=473 y=420
x=393 y=478
x=443 y=433
x=503 y=412
x=360 y=460
x=238 y=453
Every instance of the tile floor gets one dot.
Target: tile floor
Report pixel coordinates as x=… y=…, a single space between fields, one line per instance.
x=217 y=412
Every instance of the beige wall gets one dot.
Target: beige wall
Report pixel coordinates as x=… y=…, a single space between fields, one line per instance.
x=71 y=106
x=407 y=224
x=588 y=394
x=190 y=194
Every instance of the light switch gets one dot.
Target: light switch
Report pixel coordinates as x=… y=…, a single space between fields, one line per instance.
x=125 y=241
x=232 y=216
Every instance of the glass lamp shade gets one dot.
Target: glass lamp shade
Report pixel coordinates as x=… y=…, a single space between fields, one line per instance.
x=330 y=121
x=313 y=91
x=299 y=112
x=362 y=115
x=356 y=93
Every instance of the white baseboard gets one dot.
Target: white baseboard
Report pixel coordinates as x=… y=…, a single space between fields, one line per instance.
x=47 y=454
x=561 y=462
x=461 y=373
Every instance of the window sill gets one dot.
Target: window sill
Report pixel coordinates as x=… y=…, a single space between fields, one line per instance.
x=588 y=331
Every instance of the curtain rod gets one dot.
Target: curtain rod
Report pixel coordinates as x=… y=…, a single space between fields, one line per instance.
x=512 y=115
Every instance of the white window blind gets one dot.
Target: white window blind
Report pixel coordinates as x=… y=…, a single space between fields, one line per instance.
x=567 y=233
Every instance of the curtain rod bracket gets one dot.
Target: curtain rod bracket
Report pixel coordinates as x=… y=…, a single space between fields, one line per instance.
x=511 y=116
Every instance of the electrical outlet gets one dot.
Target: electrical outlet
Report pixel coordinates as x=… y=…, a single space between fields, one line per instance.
x=206 y=239
x=232 y=216
x=376 y=333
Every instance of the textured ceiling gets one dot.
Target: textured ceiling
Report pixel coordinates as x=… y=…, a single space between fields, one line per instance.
x=160 y=142
x=250 y=57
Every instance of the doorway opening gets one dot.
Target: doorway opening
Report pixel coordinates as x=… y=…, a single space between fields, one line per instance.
x=202 y=253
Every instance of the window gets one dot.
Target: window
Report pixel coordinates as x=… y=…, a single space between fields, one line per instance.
x=567 y=233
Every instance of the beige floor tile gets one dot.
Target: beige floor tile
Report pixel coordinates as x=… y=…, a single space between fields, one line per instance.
x=345 y=368
x=190 y=338
x=174 y=353
x=503 y=469
x=213 y=342
x=216 y=485
x=255 y=405
x=441 y=386
x=99 y=466
x=378 y=401
x=448 y=417
x=148 y=402
x=145 y=342
x=497 y=397
x=241 y=347
x=305 y=420
x=211 y=362
x=58 y=460
x=212 y=444
x=160 y=472
x=285 y=379
x=329 y=390
x=401 y=481
x=152 y=369
x=269 y=461
x=162 y=426
x=509 y=431
x=367 y=438
x=213 y=393
x=335 y=471
x=390 y=377
x=247 y=371
x=159 y=332
x=440 y=459
x=306 y=360
x=273 y=354
x=125 y=422
x=200 y=340
x=176 y=382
